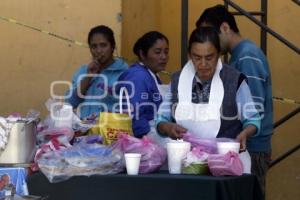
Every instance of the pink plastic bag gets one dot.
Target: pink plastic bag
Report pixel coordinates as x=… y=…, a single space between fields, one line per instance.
x=206 y=145
x=153 y=155
x=47 y=135
x=225 y=164
x=54 y=144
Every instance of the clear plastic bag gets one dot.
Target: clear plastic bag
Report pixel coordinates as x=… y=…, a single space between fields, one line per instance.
x=88 y=139
x=78 y=160
x=153 y=155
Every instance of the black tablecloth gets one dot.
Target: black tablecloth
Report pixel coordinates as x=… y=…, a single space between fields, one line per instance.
x=158 y=186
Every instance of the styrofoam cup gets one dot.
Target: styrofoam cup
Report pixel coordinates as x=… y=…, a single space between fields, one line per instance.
x=177 y=150
x=132 y=161
x=224 y=147
x=64 y=116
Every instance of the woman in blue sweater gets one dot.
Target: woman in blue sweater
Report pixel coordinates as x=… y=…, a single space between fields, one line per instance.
x=92 y=84
x=143 y=84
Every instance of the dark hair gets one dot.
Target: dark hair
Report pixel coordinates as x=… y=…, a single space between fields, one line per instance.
x=145 y=42
x=215 y=16
x=105 y=31
x=205 y=34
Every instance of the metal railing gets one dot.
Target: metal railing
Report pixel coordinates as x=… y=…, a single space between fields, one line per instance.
x=184 y=30
x=263 y=26
x=263 y=13
x=297 y=2
x=286 y=118
x=285 y=155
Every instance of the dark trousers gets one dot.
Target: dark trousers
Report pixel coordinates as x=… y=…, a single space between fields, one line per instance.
x=259 y=166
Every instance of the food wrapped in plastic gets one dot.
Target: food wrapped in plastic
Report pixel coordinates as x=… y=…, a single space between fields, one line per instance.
x=207 y=145
x=153 y=155
x=225 y=164
x=88 y=139
x=195 y=162
x=196 y=168
x=78 y=160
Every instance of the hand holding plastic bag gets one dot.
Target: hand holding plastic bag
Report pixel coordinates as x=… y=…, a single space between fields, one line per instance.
x=207 y=145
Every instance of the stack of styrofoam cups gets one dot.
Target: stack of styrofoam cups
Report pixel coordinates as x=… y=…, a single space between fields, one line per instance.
x=132 y=161
x=177 y=150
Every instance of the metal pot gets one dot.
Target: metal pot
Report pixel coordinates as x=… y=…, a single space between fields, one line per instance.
x=21 y=143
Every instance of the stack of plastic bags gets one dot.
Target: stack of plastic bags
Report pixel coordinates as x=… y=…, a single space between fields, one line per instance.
x=80 y=159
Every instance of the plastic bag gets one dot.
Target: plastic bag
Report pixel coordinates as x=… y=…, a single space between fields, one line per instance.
x=46 y=135
x=197 y=155
x=153 y=155
x=206 y=145
x=225 y=164
x=78 y=160
x=89 y=139
x=111 y=125
x=56 y=143
x=61 y=116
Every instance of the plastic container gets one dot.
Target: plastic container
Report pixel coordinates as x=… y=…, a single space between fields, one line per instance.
x=21 y=144
x=177 y=150
x=132 y=161
x=195 y=168
x=224 y=147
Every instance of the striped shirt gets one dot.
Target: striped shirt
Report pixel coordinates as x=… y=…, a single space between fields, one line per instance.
x=251 y=61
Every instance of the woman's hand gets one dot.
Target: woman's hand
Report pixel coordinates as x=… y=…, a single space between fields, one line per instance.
x=171 y=130
x=246 y=133
x=242 y=138
x=94 y=67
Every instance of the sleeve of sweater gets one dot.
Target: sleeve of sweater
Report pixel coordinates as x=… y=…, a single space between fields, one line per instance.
x=138 y=88
x=72 y=96
x=257 y=76
x=246 y=107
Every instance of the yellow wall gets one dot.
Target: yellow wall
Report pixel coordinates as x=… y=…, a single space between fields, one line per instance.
x=31 y=60
x=141 y=16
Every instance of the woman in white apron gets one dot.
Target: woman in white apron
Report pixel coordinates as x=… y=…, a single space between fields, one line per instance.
x=142 y=82
x=213 y=100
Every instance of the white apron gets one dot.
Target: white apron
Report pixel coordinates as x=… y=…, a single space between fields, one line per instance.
x=165 y=91
x=203 y=120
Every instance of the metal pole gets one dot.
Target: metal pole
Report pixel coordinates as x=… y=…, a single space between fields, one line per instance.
x=184 y=31
x=226 y=54
x=283 y=156
x=297 y=2
x=287 y=117
x=263 y=32
x=269 y=30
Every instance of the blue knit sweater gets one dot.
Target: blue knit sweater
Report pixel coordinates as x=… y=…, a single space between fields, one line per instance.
x=250 y=60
